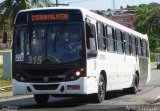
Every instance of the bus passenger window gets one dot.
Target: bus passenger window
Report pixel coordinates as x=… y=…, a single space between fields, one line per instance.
x=119 y=41
x=130 y=44
x=147 y=50
x=136 y=44
x=141 y=41
x=100 y=34
x=127 y=47
x=139 y=47
x=133 y=45
x=110 y=39
x=90 y=35
x=144 y=48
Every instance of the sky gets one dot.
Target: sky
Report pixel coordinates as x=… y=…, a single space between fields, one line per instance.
x=103 y=4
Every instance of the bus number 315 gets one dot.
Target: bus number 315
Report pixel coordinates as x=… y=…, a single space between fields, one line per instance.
x=35 y=59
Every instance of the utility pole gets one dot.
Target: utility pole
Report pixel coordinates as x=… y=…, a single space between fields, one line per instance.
x=57 y=4
x=113 y=7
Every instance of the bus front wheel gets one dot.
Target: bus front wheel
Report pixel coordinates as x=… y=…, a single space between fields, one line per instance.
x=99 y=97
x=41 y=98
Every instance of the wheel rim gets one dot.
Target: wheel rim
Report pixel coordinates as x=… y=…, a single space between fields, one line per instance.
x=101 y=88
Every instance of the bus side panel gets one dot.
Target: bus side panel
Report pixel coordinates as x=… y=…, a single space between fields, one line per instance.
x=92 y=82
x=125 y=67
x=143 y=67
x=111 y=71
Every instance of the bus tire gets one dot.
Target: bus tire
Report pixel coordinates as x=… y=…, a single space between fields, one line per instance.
x=158 y=66
x=134 y=88
x=99 y=97
x=41 y=98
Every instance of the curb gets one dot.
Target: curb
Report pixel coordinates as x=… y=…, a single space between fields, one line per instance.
x=6 y=88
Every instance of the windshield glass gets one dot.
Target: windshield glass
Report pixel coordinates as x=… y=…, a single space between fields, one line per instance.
x=52 y=44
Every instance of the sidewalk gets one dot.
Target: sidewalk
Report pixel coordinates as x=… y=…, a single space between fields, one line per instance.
x=6 y=94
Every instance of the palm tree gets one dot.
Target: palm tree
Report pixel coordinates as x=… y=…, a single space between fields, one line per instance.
x=9 y=8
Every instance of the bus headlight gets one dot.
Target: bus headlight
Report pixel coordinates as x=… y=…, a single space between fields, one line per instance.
x=76 y=74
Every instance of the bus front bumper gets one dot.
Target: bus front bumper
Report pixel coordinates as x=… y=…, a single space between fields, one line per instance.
x=80 y=86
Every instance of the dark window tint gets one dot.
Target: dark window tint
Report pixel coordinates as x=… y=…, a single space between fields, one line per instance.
x=147 y=50
x=118 y=34
x=101 y=38
x=139 y=47
x=133 y=45
x=127 y=46
x=91 y=36
x=110 y=39
x=130 y=44
x=141 y=44
x=136 y=44
x=144 y=48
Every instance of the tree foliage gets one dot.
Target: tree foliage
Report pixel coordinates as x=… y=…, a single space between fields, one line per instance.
x=10 y=8
x=148 y=22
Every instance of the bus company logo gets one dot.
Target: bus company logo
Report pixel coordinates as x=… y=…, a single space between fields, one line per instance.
x=46 y=79
x=19 y=57
x=50 y=17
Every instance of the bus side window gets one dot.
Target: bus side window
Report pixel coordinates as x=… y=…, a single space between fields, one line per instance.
x=136 y=45
x=91 y=35
x=147 y=49
x=114 y=40
x=141 y=44
x=130 y=44
x=144 y=47
x=127 y=49
x=119 y=41
x=139 y=47
x=133 y=45
x=110 y=40
x=100 y=35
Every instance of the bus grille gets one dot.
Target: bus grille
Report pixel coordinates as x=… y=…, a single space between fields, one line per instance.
x=46 y=87
x=45 y=75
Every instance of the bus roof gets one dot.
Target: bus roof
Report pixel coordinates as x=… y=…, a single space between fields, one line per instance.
x=95 y=16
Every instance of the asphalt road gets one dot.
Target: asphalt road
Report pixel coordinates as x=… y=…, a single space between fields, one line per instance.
x=115 y=101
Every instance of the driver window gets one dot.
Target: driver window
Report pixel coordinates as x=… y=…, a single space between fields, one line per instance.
x=91 y=36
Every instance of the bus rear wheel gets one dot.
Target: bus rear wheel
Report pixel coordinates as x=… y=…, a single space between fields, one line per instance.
x=99 y=97
x=134 y=88
x=41 y=98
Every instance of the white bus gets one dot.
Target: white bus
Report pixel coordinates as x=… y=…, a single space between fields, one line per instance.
x=72 y=51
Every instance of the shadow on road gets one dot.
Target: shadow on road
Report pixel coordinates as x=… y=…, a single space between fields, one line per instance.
x=29 y=103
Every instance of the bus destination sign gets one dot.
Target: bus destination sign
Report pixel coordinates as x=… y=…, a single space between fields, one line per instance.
x=50 y=17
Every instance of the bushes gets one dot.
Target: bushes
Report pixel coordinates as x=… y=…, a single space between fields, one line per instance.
x=152 y=57
x=157 y=50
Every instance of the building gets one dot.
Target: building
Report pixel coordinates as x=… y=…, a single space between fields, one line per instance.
x=125 y=17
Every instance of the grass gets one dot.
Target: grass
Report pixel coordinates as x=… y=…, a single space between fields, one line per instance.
x=3 y=83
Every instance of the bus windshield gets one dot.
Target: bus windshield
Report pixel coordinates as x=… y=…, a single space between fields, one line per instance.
x=52 y=44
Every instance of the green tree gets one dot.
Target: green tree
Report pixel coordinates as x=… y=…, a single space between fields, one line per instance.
x=10 y=8
x=148 y=22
